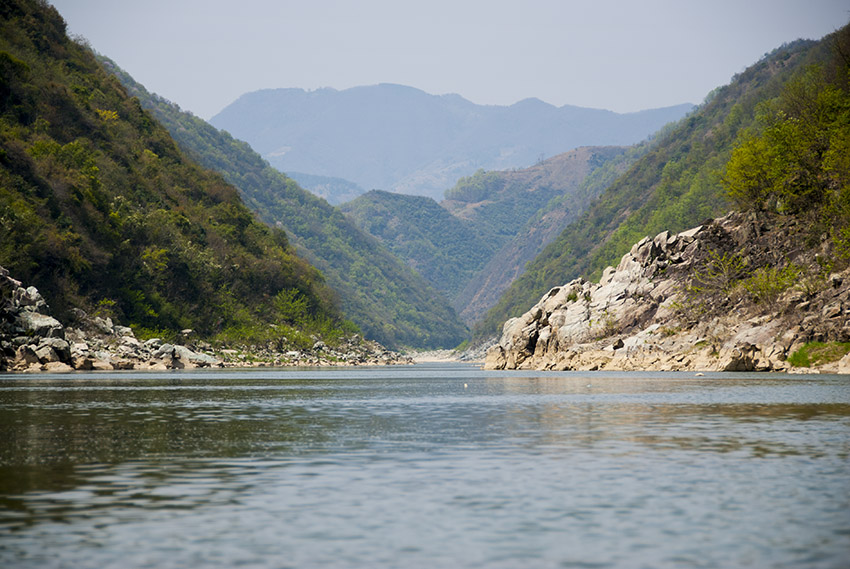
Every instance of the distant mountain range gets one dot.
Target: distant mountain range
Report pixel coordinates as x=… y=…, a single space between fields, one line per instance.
x=404 y=140
x=388 y=301
x=335 y=190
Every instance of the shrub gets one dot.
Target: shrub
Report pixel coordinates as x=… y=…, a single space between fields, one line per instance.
x=719 y=275
x=767 y=283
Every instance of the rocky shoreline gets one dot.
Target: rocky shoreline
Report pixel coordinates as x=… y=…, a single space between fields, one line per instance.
x=31 y=340
x=681 y=302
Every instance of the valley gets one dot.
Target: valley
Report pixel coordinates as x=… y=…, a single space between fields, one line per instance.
x=430 y=228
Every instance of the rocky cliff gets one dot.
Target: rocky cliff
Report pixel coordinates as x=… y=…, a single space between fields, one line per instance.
x=739 y=293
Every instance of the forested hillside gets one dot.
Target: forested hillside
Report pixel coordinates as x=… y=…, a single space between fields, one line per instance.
x=475 y=242
x=796 y=160
x=676 y=185
x=391 y=303
x=445 y=250
x=403 y=140
x=572 y=179
x=101 y=210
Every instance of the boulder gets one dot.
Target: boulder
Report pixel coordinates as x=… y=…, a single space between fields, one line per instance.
x=495 y=358
x=104 y=326
x=57 y=367
x=198 y=359
x=46 y=354
x=124 y=331
x=844 y=364
x=26 y=356
x=36 y=324
x=59 y=346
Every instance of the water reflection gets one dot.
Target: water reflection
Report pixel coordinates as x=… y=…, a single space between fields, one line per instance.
x=420 y=456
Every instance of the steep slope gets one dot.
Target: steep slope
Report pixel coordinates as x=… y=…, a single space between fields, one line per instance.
x=501 y=202
x=577 y=178
x=334 y=190
x=760 y=289
x=739 y=293
x=675 y=186
x=474 y=243
x=403 y=140
x=101 y=211
x=388 y=301
x=445 y=250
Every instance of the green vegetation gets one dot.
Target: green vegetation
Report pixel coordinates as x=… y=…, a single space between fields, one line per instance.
x=475 y=188
x=678 y=183
x=554 y=193
x=502 y=203
x=766 y=283
x=492 y=223
x=796 y=159
x=100 y=210
x=719 y=275
x=445 y=250
x=388 y=301
x=819 y=353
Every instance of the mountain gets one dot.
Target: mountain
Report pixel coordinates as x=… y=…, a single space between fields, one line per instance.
x=334 y=190
x=447 y=251
x=676 y=185
x=101 y=211
x=404 y=140
x=474 y=243
x=552 y=194
x=389 y=302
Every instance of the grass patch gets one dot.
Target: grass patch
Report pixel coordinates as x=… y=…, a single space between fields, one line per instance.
x=668 y=331
x=818 y=353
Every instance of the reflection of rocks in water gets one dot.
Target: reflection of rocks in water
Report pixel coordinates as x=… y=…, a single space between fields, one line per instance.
x=594 y=409
x=646 y=315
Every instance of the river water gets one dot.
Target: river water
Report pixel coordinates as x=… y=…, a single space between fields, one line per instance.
x=437 y=465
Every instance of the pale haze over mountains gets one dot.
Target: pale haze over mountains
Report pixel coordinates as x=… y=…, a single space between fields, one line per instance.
x=619 y=54
x=404 y=140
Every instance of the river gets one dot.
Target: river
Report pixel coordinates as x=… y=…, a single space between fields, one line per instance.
x=432 y=465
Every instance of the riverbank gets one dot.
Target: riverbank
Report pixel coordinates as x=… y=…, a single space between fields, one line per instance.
x=33 y=341
x=740 y=293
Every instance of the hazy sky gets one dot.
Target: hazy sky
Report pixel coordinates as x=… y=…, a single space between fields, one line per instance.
x=610 y=54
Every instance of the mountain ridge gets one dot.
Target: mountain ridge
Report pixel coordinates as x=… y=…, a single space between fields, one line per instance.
x=471 y=245
x=390 y=302
x=102 y=212
x=675 y=186
x=404 y=140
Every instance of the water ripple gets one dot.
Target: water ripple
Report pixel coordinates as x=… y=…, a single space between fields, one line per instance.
x=409 y=468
